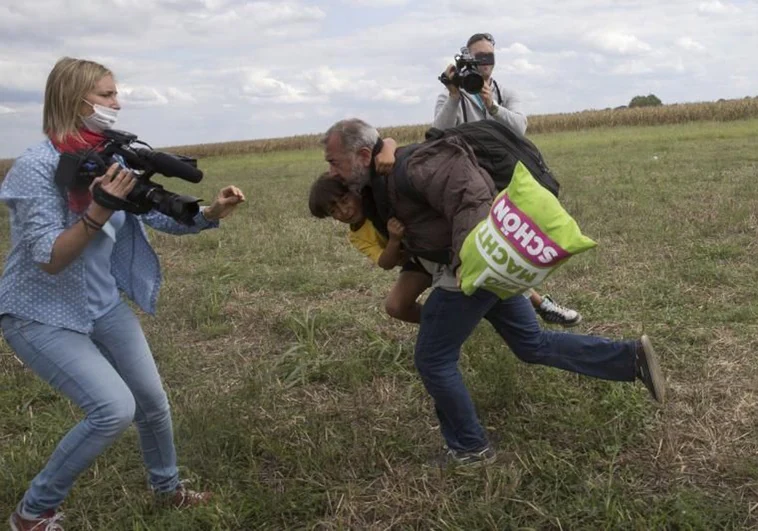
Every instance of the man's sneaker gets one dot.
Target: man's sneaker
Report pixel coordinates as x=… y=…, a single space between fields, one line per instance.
x=649 y=371
x=556 y=314
x=476 y=459
x=47 y=521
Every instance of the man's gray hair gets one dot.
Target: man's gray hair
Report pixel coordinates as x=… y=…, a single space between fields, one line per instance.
x=354 y=134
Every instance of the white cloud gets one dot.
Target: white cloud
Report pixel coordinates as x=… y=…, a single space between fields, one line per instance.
x=401 y=96
x=523 y=66
x=181 y=96
x=21 y=75
x=325 y=111
x=327 y=81
x=5 y=110
x=376 y=3
x=141 y=95
x=660 y=64
x=515 y=48
x=151 y=24
x=145 y=96
x=261 y=87
x=618 y=43
x=741 y=81
x=632 y=68
x=715 y=7
x=597 y=59
x=687 y=43
x=277 y=115
x=252 y=16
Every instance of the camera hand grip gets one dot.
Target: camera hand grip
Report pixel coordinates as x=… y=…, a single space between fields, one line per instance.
x=111 y=202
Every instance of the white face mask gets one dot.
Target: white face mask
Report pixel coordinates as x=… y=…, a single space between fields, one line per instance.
x=103 y=118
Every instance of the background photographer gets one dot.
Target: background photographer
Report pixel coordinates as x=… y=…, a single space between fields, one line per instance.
x=495 y=102
x=456 y=106
x=60 y=308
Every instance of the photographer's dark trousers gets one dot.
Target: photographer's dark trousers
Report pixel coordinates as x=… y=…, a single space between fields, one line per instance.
x=449 y=317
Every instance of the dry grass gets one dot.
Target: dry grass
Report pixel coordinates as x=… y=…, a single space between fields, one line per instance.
x=5 y=165
x=295 y=398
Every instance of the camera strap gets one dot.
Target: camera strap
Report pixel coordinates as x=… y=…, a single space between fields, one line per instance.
x=463 y=106
x=497 y=89
x=463 y=103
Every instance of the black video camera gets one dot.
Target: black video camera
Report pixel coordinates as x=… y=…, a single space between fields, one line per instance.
x=466 y=75
x=76 y=171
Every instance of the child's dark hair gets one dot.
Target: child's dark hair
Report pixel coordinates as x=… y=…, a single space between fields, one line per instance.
x=325 y=192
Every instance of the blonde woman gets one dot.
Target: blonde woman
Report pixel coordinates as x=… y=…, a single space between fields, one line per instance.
x=60 y=305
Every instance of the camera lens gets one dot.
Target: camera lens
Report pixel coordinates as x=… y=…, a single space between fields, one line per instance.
x=180 y=207
x=472 y=82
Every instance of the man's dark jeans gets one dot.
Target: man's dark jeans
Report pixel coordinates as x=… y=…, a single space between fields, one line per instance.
x=449 y=317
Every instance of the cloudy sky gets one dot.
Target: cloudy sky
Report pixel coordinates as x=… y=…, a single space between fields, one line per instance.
x=196 y=71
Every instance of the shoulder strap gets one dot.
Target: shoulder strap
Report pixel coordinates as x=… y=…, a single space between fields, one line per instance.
x=378 y=195
x=497 y=148
x=374 y=195
x=497 y=89
x=463 y=107
x=376 y=200
x=404 y=187
x=403 y=184
x=370 y=199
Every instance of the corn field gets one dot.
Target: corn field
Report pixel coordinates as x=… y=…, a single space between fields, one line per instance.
x=721 y=111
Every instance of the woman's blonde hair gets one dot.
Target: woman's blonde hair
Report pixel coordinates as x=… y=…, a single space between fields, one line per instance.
x=69 y=82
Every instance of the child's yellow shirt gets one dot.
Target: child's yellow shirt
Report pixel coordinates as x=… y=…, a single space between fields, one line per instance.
x=368 y=240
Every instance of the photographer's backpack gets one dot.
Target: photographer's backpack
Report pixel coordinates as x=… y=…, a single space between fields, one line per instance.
x=497 y=150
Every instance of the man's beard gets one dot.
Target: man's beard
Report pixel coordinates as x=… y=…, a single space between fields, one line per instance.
x=360 y=174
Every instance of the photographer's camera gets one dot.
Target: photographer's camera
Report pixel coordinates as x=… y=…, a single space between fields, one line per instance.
x=465 y=73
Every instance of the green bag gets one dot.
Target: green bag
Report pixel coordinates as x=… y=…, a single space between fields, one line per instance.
x=524 y=239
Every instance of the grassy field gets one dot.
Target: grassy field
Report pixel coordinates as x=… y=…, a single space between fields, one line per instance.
x=295 y=398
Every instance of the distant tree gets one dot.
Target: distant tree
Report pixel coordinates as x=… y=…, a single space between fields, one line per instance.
x=651 y=100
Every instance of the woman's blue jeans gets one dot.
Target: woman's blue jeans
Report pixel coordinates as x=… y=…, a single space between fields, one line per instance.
x=111 y=375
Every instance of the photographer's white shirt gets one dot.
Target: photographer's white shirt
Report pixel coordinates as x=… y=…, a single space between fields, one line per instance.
x=450 y=112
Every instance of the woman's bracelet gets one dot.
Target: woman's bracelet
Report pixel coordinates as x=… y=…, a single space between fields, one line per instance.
x=86 y=217
x=88 y=228
x=90 y=224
